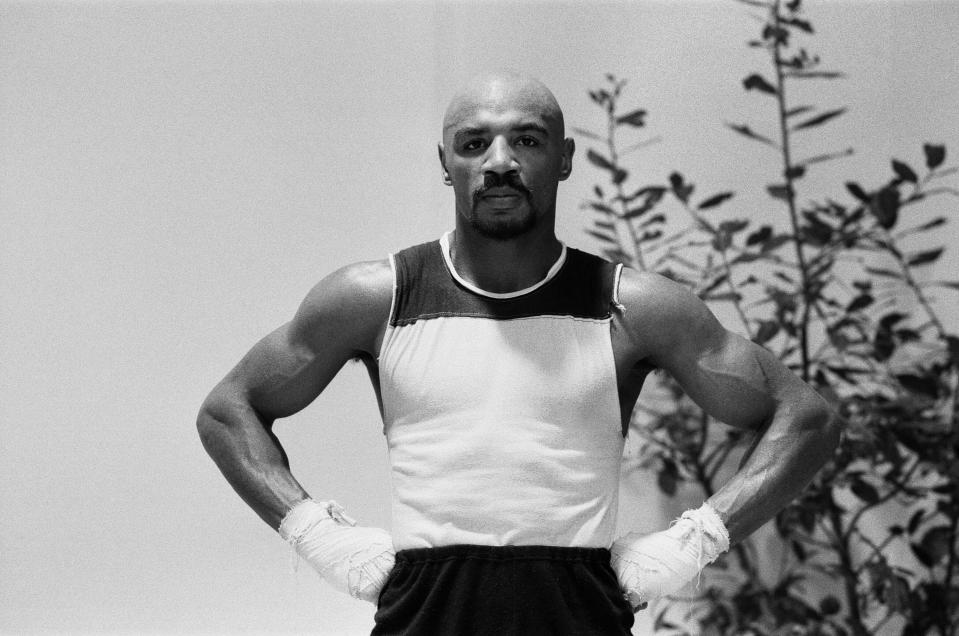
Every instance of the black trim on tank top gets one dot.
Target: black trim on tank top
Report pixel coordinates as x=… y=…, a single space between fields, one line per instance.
x=425 y=288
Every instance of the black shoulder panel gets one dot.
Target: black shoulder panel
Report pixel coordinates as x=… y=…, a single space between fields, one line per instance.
x=583 y=288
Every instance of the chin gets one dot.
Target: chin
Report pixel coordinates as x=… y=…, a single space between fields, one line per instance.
x=500 y=229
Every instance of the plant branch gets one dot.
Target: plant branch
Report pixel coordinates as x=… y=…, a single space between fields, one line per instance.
x=788 y=172
x=848 y=573
x=621 y=194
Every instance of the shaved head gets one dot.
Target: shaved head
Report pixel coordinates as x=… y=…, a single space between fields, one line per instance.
x=504 y=152
x=504 y=90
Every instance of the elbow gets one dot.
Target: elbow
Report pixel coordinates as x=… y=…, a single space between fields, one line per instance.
x=207 y=425
x=212 y=421
x=223 y=417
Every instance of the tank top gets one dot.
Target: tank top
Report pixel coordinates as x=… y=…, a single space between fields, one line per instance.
x=501 y=410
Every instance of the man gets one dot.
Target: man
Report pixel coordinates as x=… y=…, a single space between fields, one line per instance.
x=506 y=366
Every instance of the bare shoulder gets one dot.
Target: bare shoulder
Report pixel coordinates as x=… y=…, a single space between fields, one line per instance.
x=354 y=301
x=662 y=315
x=642 y=288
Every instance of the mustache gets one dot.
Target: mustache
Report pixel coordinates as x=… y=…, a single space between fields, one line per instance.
x=494 y=180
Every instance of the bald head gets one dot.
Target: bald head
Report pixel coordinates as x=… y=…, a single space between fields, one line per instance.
x=504 y=152
x=504 y=91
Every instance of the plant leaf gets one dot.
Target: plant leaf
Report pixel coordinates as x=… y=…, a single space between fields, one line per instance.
x=759 y=83
x=778 y=191
x=865 y=491
x=798 y=110
x=856 y=190
x=680 y=188
x=634 y=118
x=776 y=241
x=599 y=160
x=935 y=155
x=921 y=258
x=885 y=206
x=730 y=296
x=767 y=330
x=656 y=218
x=904 y=172
x=733 y=226
x=826 y=157
x=586 y=133
x=879 y=271
x=860 y=302
x=759 y=235
x=794 y=172
x=667 y=477
x=715 y=200
x=936 y=542
x=602 y=236
x=819 y=119
x=656 y=192
x=915 y=520
x=745 y=130
x=635 y=213
x=815 y=74
x=925 y=385
x=829 y=605
x=936 y=222
x=601 y=207
x=615 y=255
x=796 y=22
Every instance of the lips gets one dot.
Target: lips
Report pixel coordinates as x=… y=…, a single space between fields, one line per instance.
x=502 y=193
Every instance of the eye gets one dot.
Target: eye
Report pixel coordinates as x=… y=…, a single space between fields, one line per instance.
x=527 y=140
x=473 y=144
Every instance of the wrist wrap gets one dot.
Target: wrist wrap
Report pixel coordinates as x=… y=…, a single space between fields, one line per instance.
x=654 y=565
x=353 y=559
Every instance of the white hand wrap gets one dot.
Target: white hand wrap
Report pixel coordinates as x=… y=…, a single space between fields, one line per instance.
x=355 y=560
x=653 y=565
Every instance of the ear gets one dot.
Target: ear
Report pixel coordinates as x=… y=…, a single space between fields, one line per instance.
x=566 y=169
x=446 y=175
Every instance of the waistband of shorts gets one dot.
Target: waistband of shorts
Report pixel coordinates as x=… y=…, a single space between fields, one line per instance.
x=503 y=553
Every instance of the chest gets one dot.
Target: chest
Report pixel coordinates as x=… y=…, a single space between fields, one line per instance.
x=550 y=368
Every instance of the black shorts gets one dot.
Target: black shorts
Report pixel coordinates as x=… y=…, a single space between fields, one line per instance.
x=472 y=590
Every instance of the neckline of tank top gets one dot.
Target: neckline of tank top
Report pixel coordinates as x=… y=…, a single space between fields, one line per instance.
x=445 y=249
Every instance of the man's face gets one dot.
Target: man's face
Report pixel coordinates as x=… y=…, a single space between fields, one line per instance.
x=504 y=155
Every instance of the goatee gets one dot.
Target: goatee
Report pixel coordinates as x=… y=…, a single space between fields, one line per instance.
x=503 y=228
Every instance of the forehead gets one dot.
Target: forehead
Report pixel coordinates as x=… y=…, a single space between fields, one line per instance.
x=502 y=104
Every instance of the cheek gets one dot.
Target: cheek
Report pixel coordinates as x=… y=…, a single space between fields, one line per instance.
x=463 y=173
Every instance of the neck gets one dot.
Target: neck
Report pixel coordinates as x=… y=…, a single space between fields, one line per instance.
x=503 y=266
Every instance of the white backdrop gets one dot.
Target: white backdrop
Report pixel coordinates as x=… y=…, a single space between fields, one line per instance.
x=175 y=176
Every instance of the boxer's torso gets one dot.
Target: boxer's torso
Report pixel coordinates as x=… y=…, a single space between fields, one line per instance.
x=501 y=411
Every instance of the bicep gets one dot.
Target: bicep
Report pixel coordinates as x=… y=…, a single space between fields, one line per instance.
x=735 y=380
x=338 y=320
x=281 y=375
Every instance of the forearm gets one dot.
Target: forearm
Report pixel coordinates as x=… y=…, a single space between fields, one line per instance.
x=249 y=456
x=787 y=454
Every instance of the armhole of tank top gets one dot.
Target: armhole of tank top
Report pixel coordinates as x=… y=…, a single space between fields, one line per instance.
x=617 y=274
x=389 y=319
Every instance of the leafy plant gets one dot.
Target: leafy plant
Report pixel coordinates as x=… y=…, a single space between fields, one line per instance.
x=835 y=288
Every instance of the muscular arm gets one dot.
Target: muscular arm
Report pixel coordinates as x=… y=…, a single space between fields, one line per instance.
x=739 y=383
x=342 y=317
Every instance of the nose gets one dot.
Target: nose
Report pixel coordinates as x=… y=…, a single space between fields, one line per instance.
x=499 y=158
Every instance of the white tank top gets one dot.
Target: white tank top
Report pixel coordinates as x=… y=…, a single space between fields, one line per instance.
x=501 y=411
